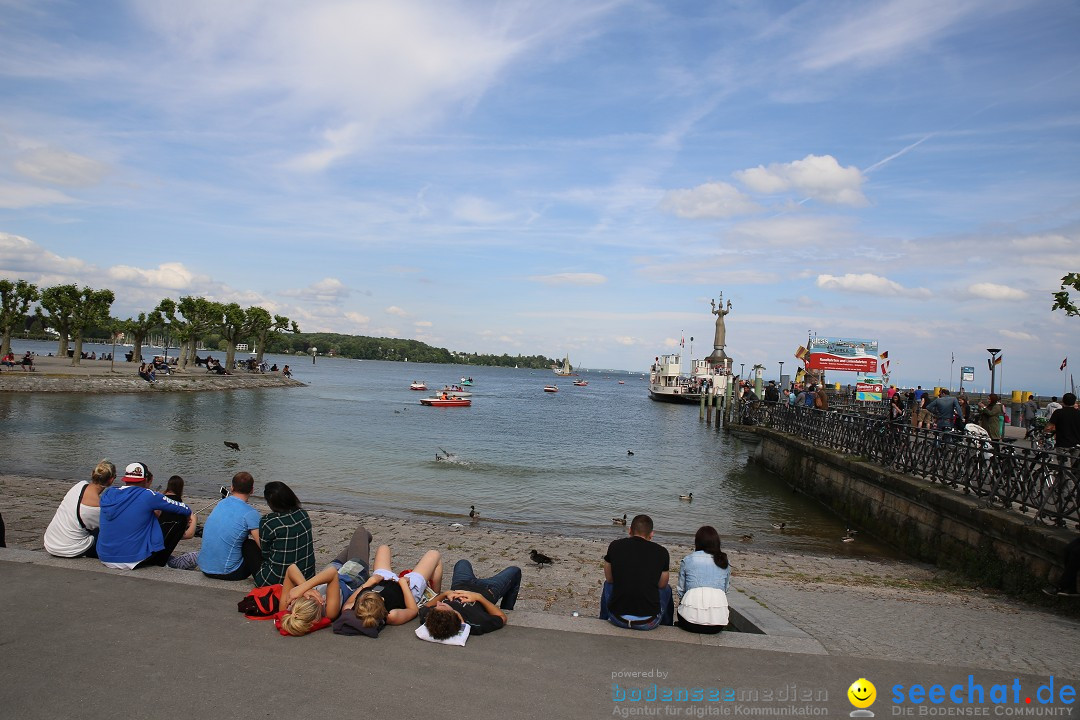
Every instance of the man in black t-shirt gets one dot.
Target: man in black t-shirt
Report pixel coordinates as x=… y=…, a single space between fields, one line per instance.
x=471 y=600
x=636 y=593
x=1065 y=423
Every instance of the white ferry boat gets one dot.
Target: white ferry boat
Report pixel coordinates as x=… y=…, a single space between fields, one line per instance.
x=668 y=384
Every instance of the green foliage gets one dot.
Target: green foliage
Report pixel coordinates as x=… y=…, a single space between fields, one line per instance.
x=91 y=310
x=372 y=348
x=58 y=304
x=15 y=299
x=1062 y=301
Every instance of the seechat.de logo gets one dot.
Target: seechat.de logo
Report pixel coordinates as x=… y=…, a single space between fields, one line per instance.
x=862 y=695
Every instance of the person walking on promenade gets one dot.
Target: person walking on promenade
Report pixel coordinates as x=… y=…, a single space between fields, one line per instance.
x=1052 y=406
x=945 y=410
x=230 y=546
x=1031 y=410
x=1065 y=424
x=73 y=530
x=991 y=413
x=471 y=601
x=131 y=530
x=636 y=593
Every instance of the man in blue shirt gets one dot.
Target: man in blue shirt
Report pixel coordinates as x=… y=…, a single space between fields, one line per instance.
x=230 y=546
x=131 y=534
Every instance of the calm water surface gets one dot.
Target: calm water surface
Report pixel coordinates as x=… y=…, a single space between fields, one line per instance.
x=357 y=439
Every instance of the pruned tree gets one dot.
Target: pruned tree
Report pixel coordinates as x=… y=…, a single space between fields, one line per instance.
x=261 y=325
x=138 y=328
x=15 y=299
x=1062 y=300
x=91 y=310
x=58 y=304
x=190 y=319
x=233 y=326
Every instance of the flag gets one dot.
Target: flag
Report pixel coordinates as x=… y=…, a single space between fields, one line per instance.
x=884 y=355
x=1064 y=363
x=800 y=354
x=999 y=359
x=682 y=343
x=953 y=358
x=989 y=364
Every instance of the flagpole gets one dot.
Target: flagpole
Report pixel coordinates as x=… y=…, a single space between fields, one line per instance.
x=951 y=366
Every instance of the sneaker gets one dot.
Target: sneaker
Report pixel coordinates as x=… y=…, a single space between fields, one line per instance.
x=1057 y=592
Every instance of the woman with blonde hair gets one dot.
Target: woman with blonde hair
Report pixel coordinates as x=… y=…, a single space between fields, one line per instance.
x=315 y=603
x=74 y=527
x=389 y=598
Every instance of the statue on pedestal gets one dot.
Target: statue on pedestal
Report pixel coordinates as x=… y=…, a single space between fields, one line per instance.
x=720 y=338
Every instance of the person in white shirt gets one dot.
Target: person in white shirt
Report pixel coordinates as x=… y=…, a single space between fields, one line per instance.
x=74 y=527
x=1052 y=406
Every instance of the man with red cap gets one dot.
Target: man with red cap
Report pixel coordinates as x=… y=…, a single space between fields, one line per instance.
x=130 y=535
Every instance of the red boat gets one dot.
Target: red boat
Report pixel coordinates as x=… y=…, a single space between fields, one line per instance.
x=418 y=385
x=551 y=388
x=581 y=383
x=446 y=402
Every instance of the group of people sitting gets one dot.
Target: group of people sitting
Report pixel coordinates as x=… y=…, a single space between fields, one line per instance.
x=27 y=361
x=637 y=594
x=132 y=526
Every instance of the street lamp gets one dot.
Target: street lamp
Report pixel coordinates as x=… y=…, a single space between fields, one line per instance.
x=781 y=381
x=993 y=365
x=742 y=368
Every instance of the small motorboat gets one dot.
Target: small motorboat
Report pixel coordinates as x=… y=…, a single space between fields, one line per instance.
x=418 y=385
x=581 y=383
x=622 y=382
x=452 y=401
x=455 y=390
x=551 y=388
x=466 y=382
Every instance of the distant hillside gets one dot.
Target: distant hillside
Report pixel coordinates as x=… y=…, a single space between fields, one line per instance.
x=362 y=347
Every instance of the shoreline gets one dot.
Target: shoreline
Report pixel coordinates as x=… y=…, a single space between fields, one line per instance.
x=58 y=375
x=572 y=584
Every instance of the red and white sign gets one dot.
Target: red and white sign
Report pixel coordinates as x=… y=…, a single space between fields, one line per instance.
x=866 y=364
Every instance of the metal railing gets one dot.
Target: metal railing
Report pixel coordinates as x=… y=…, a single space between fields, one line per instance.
x=1039 y=483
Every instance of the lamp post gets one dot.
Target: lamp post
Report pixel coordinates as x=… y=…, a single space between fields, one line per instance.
x=781 y=380
x=993 y=365
x=742 y=369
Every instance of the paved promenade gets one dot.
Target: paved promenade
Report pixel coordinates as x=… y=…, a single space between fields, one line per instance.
x=88 y=642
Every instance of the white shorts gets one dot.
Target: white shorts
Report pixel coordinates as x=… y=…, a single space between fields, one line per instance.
x=417 y=582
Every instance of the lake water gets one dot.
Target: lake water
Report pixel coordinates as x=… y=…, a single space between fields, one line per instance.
x=357 y=439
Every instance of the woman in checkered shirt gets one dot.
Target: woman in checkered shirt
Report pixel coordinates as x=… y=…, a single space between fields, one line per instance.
x=285 y=534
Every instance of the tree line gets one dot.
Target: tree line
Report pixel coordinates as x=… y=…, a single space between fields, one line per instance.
x=77 y=314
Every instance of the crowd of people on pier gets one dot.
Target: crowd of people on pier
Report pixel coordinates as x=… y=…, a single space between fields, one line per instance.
x=128 y=526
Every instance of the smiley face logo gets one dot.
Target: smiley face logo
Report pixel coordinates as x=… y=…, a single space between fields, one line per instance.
x=862 y=693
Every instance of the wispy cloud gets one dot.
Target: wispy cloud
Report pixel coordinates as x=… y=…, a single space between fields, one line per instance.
x=570 y=279
x=870 y=284
x=59 y=167
x=14 y=197
x=328 y=290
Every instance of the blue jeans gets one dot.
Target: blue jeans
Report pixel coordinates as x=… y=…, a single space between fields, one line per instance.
x=666 y=616
x=503 y=585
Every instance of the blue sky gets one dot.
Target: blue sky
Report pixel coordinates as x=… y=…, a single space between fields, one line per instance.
x=563 y=177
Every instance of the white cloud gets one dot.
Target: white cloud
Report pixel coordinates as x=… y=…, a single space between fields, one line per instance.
x=357 y=318
x=711 y=200
x=170 y=277
x=792 y=231
x=627 y=340
x=59 y=167
x=395 y=310
x=816 y=176
x=570 y=279
x=993 y=291
x=14 y=197
x=1017 y=335
x=869 y=284
x=423 y=323
x=23 y=258
x=328 y=290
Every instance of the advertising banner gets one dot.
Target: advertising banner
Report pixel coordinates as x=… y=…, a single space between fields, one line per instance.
x=869 y=391
x=847 y=354
x=967 y=374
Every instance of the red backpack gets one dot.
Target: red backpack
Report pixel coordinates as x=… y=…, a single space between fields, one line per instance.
x=262 y=603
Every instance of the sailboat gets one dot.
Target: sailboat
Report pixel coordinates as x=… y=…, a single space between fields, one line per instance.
x=565 y=369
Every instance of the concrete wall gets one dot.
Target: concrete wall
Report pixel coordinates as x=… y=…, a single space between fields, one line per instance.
x=930 y=522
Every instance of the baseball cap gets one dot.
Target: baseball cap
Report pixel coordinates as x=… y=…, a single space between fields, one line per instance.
x=137 y=472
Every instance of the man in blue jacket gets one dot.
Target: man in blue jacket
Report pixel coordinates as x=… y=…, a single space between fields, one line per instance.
x=130 y=535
